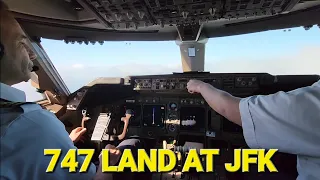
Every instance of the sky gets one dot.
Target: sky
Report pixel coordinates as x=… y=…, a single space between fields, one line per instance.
x=275 y=52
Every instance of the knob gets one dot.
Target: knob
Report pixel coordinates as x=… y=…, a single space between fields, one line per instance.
x=171 y=128
x=173 y=106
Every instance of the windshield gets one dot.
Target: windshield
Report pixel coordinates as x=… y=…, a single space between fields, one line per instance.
x=294 y=51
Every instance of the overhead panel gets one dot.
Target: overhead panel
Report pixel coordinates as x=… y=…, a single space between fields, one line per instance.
x=132 y=14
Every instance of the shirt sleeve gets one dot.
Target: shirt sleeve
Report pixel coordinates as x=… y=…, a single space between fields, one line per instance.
x=287 y=121
x=42 y=130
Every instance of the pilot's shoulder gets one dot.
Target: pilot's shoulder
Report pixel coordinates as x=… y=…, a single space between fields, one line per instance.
x=36 y=114
x=33 y=119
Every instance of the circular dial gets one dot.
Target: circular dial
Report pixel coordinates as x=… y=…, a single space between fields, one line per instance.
x=173 y=106
x=171 y=128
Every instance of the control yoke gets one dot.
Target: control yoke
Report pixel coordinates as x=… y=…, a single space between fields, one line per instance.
x=128 y=115
x=84 y=117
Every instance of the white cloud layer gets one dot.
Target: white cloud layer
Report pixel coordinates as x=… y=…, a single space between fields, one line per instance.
x=305 y=61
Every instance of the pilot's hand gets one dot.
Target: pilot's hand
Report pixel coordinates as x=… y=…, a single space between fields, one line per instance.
x=114 y=154
x=194 y=86
x=76 y=134
x=126 y=119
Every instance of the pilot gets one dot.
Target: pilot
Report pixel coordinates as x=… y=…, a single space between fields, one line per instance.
x=26 y=130
x=287 y=121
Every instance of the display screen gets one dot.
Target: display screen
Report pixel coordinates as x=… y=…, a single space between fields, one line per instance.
x=154 y=115
x=192 y=118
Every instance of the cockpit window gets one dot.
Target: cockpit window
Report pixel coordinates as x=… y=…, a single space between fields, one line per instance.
x=280 y=52
x=32 y=94
x=293 y=51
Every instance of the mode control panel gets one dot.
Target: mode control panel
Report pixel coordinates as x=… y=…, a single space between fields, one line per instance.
x=142 y=84
x=192 y=101
x=220 y=81
x=161 y=84
x=246 y=82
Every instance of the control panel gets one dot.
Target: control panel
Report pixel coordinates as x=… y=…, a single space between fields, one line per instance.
x=166 y=83
x=76 y=99
x=160 y=84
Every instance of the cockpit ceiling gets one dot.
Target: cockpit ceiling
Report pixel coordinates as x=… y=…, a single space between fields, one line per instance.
x=160 y=19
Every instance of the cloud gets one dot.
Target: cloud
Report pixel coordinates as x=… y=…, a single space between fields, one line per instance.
x=78 y=66
x=305 y=61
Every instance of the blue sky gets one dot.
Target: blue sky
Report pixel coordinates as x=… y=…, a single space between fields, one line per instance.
x=276 y=52
x=268 y=44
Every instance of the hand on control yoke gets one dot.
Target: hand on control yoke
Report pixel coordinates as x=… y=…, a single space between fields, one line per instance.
x=77 y=133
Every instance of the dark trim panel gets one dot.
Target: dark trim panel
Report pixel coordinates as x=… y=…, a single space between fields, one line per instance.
x=39 y=19
x=60 y=32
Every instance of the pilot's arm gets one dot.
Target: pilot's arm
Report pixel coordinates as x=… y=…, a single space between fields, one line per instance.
x=23 y=144
x=288 y=121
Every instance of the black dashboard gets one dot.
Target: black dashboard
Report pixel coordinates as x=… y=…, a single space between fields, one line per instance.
x=163 y=108
x=164 y=111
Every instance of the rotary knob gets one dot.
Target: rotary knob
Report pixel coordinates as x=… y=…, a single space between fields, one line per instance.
x=171 y=128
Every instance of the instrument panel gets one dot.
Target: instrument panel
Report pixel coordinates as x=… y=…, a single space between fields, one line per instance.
x=162 y=109
x=167 y=115
x=162 y=105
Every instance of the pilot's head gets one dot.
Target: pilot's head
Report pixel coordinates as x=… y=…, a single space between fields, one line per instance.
x=16 y=60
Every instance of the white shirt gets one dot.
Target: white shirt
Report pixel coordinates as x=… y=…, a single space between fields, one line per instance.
x=25 y=135
x=288 y=121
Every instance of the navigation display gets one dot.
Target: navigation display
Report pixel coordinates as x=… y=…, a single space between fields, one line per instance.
x=153 y=115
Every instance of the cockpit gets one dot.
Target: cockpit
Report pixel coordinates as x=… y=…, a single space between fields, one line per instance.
x=162 y=112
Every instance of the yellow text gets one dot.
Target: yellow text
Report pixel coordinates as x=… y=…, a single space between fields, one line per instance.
x=242 y=160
